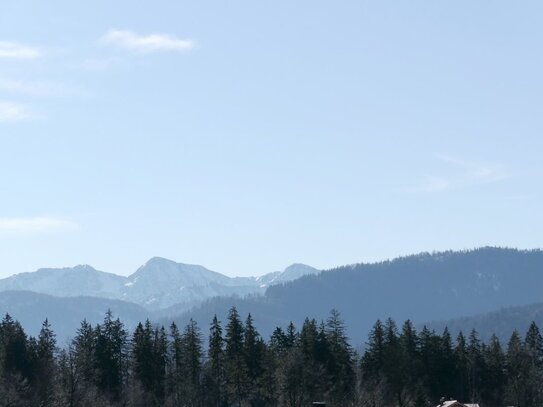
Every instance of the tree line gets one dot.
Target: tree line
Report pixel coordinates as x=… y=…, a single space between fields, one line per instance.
x=105 y=365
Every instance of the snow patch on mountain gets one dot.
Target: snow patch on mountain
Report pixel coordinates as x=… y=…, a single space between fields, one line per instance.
x=158 y=284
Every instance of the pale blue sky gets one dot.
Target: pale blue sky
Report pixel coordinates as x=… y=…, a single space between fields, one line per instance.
x=246 y=136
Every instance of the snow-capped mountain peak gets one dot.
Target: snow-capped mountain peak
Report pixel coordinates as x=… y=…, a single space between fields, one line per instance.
x=292 y=272
x=159 y=283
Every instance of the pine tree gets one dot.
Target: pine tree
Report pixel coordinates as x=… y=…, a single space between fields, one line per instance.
x=175 y=368
x=518 y=368
x=192 y=352
x=215 y=365
x=278 y=341
x=394 y=366
x=533 y=343
x=254 y=351
x=494 y=378
x=292 y=336
x=447 y=365
x=235 y=367
x=462 y=368
x=373 y=359
x=409 y=364
x=16 y=359
x=142 y=357
x=314 y=352
x=160 y=355
x=85 y=376
x=373 y=382
x=475 y=366
x=111 y=356
x=341 y=363
x=45 y=366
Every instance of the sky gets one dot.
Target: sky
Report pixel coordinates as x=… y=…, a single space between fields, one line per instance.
x=246 y=136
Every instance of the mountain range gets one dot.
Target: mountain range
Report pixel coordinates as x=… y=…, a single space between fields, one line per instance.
x=459 y=288
x=423 y=287
x=158 y=284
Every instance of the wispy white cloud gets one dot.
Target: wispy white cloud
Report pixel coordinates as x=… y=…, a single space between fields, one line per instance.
x=41 y=88
x=36 y=225
x=461 y=174
x=16 y=50
x=16 y=112
x=146 y=43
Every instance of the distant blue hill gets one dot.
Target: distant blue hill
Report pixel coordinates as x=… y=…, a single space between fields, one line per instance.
x=65 y=313
x=423 y=287
x=501 y=322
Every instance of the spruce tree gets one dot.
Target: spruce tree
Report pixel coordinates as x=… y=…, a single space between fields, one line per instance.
x=45 y=366
x=278 y=341
x=111 y=356
x=462 y=368
x=254 y=360
x=235 y=366
x=533 y=343
x=518 y=368
x=191 y=342
x=142 y=357
x=476 y=366
x=341 y=363
x=215 y=375
x=292 y=336
x=494 y=378
x=372 y=362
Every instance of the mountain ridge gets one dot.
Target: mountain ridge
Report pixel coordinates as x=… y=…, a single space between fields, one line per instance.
x=157 y=284
x=438 y=286
x=422 y=287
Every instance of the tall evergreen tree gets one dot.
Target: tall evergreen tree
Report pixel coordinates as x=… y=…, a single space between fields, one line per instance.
x=142 y=357
x=16 y=359
x=111 y=356
x=475 y=366
x=494 y=378
x=215 y=364
x=235 y=366
x=314 y=352
x=533 y=343
x=518 y=368
x=254 y=352
x=192 y=352
x=341 y=360
x=292 y=336
x=462 y=368
x=373 y=382
x=374 y=356
x=45 y=366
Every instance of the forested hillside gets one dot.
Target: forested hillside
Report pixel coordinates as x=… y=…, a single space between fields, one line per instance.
x=65 y=313
x=501 y=322
x=424 y=287
x=106 y=365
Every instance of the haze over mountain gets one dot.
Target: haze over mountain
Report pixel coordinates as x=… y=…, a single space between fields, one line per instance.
x=501 y=322
x=158 y=284
x=67 y=282
x=66 y=313
x=424 y=287
x=421 y=287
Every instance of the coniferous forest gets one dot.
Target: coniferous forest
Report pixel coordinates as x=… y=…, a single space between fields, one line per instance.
x=232 y=365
